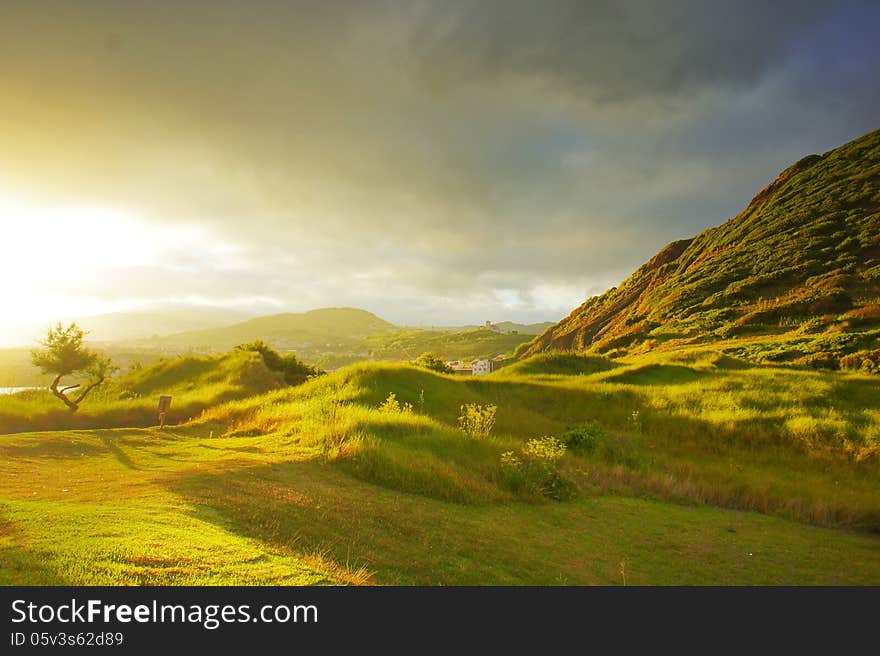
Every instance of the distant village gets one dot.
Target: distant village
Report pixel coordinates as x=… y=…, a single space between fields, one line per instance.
x=480 y=366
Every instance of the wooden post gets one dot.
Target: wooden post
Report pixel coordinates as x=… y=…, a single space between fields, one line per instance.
x=164 y=407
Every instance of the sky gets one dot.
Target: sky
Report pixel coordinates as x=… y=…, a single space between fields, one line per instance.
x=437 y=163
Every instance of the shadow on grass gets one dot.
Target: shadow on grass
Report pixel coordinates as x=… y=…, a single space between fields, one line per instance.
x=658 y=374
x=863 y=392
x=119 y=454
x=303 y=506
x=20 y=565
x=45 y=446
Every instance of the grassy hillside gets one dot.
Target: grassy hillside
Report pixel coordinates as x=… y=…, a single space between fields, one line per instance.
x=469 y=344
x=560 y=363
x=337 y=337
x=800 y=265
x=691 y=424
x=691 y=468
x=503 y=327
x=317 y=328
x=397 y=345
x=195 y=383
x=406 y=345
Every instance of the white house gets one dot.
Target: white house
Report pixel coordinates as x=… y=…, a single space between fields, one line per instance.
x=482 y=367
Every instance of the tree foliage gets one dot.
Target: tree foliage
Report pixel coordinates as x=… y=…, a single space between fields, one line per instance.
x=63 y=354
x=432 y=362
x=294 y=370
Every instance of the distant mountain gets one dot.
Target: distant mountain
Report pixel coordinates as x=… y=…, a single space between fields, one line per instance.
x=801 y=263
x=323 y=327
x=124 y=326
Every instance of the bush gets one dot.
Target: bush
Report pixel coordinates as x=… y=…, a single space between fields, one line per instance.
x=294 y=370
x=864 y=361
x=537 y=469
x=583 y=437
x=432 y=362
x=544 y=450
x=614 y=449
x=818 y=361
x=476 y=420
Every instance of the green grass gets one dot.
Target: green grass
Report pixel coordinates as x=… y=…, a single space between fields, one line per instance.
x=560 y=363
x=800 y=444
x=407 y=344
x=700 y=460
x=195 y=383
x=94 y=508
x=142 y=507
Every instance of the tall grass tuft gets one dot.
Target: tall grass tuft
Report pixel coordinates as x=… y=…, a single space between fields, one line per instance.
x=477 y=421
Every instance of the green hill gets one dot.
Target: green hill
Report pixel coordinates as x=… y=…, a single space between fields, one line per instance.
x=336 y=337
x=325 y=327
x=503 y=327
x=467 y=344
x=405 y=345
x=194 y=382
x=795 y=277
x=560 y=363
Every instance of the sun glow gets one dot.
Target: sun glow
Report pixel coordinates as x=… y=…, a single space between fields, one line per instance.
x=50 y=257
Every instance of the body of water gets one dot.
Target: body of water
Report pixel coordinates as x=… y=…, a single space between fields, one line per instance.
x=13 y=390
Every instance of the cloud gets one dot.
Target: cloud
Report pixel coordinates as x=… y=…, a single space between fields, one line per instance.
x=423 y=159
x=613 y=51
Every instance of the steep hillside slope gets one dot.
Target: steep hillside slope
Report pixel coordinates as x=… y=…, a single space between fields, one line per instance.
x=802 y=258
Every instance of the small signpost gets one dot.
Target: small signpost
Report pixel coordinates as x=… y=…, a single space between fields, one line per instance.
x=164 y=407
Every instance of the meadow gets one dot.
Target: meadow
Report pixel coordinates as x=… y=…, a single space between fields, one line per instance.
x=688 y=467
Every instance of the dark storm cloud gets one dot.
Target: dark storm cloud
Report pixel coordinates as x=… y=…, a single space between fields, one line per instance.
x=614 y=50
x=434 y=158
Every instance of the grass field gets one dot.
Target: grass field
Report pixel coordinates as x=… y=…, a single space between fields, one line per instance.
x=143 y=507
x=696 y=468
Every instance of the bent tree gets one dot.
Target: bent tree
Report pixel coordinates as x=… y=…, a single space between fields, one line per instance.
x=64 y=355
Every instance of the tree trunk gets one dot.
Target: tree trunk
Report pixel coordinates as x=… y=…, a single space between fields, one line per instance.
x=73 y=406
x=88 y=389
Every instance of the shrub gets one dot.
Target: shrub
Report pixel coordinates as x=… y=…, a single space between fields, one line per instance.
x=818 y=361
x=544 y=450
x=432 y=362
x=392 y=406
x=537 y=469
x=864 y=361
x=477 y=420
x=583 y=437
x=294 y=370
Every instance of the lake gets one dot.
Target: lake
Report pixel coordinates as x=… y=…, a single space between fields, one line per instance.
x=13 y=390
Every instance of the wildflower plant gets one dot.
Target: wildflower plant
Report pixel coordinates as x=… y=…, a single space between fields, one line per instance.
x=477 y=421
x=392 y=406
x=536 y=469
